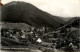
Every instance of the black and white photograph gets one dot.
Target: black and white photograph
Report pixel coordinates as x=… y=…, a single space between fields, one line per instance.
x=40 y=25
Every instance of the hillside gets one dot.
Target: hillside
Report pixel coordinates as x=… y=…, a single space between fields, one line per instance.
x=66 y=19
x=72 y=20
x=29 y=14
x=15 y=25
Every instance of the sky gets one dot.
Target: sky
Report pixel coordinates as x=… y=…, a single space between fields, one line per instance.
x=64 y=8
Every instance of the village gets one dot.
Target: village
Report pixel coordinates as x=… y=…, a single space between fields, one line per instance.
x=66 y=37
x=33 y=29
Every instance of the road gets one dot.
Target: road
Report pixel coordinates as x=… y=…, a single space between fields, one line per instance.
x=28 y=50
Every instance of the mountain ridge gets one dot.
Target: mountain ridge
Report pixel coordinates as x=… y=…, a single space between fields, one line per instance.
x=29 y=14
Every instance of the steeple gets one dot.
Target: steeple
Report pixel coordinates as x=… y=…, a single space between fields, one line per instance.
x=1 y=3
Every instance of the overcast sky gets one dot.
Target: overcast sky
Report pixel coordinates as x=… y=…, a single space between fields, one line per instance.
x=66 y=8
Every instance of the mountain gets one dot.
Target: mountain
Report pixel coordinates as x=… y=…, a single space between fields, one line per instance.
x=29 y=14
x=66 y=19
x=72 y=20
